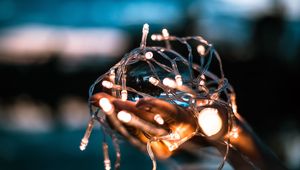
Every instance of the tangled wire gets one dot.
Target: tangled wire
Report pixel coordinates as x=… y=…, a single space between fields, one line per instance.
x=159 y=98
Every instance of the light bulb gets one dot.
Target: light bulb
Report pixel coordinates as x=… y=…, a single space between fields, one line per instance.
x=201 y=49
x=124 y=116
x=124 y=95
x=159 y=119
x=153 y=81
x=105 y=105
x=148 y=55
x=107 y=84
x=170 y=83
x=210 y=121
x=178 y=79
x=165 y=32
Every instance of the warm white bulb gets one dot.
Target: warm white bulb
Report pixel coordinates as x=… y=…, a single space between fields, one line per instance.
x=165 y=32
x=170 y=83
x=178 y=79
x=159 y=119
x=153 y=81
x=148 y=55
x=124 y=95
x=146 y=28
x=210 y=121
x=107 y=84
x=201 y=49
x=105 y=104
x=124 y=116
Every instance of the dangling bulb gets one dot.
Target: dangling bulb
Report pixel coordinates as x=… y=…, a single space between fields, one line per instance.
x=87 y=134
x=210 y=121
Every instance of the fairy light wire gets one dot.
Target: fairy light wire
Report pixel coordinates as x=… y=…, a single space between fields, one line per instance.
x=186 y=86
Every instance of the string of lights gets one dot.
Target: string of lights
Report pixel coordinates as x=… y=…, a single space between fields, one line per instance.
x=166 y=95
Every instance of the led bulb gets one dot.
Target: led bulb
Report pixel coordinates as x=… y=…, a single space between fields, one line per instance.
x=124 y=95
x=107 y=84
x=201 y=49
x=210 y=121
x=178 y=79
x=146 y=28
x=87 y=134
x=105 y=104
x=165 y=32
x=153 y=81
x=170 y=83
x=159 y=119
x=124 y=116
x=148 y=55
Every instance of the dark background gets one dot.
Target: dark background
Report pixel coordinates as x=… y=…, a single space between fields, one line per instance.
x=51 y=51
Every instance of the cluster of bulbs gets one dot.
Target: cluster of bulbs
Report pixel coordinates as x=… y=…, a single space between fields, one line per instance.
x=189 y=100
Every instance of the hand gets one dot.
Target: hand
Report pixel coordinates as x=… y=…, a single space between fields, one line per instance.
x=164 y=125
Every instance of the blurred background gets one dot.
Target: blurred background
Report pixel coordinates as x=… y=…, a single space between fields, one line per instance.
x=51 y=51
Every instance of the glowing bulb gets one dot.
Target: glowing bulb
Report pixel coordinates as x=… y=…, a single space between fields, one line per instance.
x=165 y=32
x=105 y=105
x=201 y=49
x=124 y=95
x=146 y=28
x=107 y=84
x=156 y=37
x=178 y=79
x=153 y=81
x=234 y=132
x=170 y=83
x=148 y=55
x=85 y=139
x=159 y=119
x=210 y=121
x=124 y=116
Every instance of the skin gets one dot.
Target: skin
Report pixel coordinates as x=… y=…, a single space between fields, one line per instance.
x=182 y=121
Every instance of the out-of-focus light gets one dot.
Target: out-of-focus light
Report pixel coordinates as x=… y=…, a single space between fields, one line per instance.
x=153 y=81
x=170 y=83
x=124 y=116
x=210 y=121
x=124 y=95
x=148 y=55
x=159 y=119
x=165 y=32
x=107 y=84
x=201 y=49
x=105 y=104
x=178 y=79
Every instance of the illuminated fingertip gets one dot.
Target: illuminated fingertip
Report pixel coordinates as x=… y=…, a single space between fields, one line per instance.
x=105 y=104
x=124 y=116
x=146 y=28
